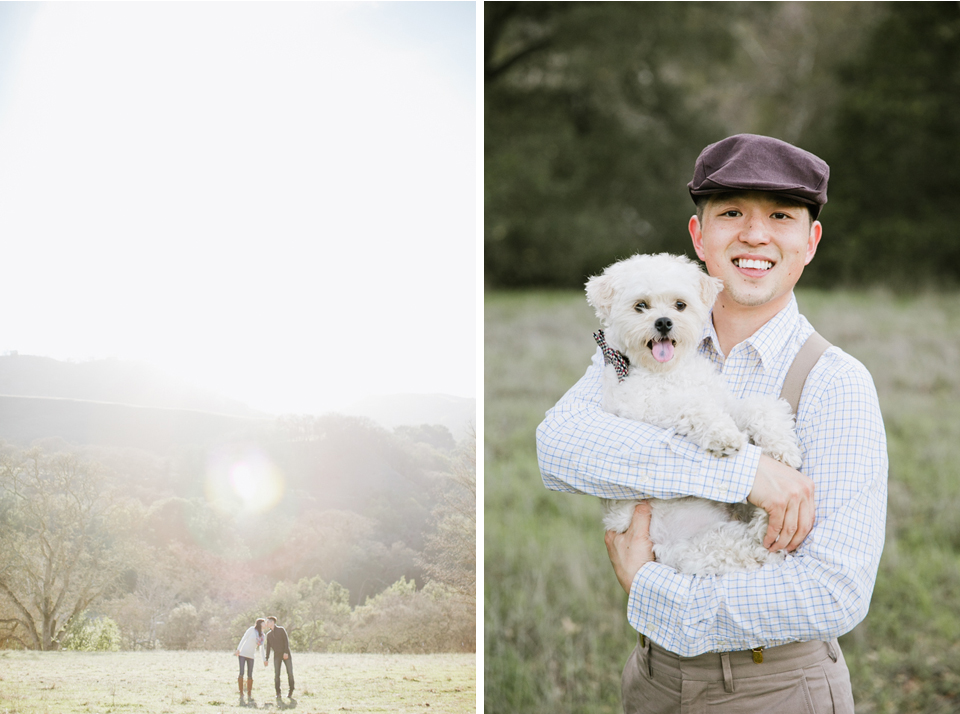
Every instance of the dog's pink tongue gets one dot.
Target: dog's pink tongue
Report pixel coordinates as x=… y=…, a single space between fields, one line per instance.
x=663 y=351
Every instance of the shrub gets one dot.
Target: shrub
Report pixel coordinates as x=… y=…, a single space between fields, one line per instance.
x=100 y=634
x=402 y=619
x=181 y=627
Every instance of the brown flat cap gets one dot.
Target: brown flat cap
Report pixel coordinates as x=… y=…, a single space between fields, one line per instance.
x=748 y=162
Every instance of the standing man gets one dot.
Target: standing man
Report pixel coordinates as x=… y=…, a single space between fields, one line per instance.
x=277 y=642
x=765 y=640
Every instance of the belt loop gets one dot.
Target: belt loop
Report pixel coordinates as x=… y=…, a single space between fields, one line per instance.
x=728 y=683
x=645 y=646
x=832 y=651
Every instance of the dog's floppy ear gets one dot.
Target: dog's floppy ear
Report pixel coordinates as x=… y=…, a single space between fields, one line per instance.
x=709 y=289
x=600 y=294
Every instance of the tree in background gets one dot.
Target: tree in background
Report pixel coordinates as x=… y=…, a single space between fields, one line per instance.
x=316 y=614
x=62 y=543
x=587 y=134
x=402 y=619
x=181 y=627
x=450 y=557
x=595 y=113
x=435 y=435
x=172 y=566
x=896 y=150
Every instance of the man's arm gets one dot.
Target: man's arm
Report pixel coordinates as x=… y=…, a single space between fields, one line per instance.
x=583 y=449
x=824 y=589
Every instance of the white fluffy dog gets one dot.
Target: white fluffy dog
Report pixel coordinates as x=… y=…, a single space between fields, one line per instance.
x=653 y=308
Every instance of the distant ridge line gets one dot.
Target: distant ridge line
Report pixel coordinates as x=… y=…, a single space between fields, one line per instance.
x=267 y=417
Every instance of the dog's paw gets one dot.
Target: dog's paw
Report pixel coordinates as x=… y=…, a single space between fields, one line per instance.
x=725 y=440
x=785 y=450
x=790 y=456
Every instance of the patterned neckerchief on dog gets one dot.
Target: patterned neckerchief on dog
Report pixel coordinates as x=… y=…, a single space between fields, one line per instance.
x=610 y=356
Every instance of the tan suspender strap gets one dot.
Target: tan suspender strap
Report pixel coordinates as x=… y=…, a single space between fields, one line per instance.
x=808 y=355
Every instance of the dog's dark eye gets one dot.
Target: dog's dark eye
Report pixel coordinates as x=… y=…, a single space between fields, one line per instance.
x=640 y=306
x=681 y=305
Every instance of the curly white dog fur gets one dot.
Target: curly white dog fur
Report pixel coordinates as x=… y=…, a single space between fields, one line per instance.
x=653 y=309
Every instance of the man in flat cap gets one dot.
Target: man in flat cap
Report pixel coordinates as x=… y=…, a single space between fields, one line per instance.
x=765 y=640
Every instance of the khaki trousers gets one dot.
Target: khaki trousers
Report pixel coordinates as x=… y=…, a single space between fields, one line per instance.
x=798 y=678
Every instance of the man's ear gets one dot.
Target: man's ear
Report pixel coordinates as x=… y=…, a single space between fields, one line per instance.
x=600 y=294
x=816 y=232
x=696 y=235
x=709 y=289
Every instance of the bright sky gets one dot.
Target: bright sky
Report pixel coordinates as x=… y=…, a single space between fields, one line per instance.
x=275 y=201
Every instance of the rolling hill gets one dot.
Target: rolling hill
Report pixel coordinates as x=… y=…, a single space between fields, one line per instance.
x=129 y=404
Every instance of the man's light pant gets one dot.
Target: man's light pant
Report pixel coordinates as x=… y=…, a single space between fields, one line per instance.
x=798 y=678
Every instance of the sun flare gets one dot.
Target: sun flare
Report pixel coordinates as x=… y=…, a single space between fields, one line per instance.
x=248 y=482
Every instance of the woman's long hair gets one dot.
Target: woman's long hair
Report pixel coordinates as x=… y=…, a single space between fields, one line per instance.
x=259 y=626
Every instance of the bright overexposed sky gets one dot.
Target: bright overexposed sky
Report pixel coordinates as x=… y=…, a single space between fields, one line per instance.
x=274 y=201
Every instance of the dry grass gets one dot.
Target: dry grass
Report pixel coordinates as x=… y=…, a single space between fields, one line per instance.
x=182 y=682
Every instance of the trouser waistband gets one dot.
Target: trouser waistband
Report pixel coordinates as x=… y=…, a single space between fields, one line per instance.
x=729 y=666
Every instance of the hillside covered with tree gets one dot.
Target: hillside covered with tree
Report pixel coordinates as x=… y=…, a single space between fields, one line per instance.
x=358 y=537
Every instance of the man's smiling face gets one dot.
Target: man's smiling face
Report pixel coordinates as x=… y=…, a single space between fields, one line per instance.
x=758 y=243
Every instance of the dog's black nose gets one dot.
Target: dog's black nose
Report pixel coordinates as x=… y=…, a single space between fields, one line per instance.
x=663 y=325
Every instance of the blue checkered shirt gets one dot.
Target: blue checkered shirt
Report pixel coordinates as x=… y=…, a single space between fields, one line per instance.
x=821 y=591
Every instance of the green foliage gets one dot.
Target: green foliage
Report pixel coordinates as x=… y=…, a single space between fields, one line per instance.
x=62 y=542
x=595 y=112
x=450 y=556
x=402 y=619
x=100 y=634
x=180 y=629
x=556 y=634
x=895 y=150
x=435 y=435
x=588 y=140
x=314 y=613
x=171 y=563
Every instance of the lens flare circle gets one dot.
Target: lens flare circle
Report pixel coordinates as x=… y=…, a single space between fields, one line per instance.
x=248 y=482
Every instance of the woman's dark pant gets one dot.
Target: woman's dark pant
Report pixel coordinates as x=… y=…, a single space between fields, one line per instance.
x=249 y=662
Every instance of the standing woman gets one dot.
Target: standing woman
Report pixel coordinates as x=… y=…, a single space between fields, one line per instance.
x=251 y=641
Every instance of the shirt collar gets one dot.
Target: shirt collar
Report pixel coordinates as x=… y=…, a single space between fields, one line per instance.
x=768 y=342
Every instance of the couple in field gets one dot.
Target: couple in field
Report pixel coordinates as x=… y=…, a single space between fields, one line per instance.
x=266 y=635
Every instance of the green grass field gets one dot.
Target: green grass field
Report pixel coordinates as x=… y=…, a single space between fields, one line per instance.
x=183 y=682
x=556 y=634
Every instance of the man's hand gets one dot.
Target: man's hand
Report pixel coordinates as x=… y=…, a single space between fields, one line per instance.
x=632 y=549
x=286 y=656
x=787 y=496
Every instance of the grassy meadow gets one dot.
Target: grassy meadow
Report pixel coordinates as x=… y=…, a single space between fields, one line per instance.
x=186 y=682
x=556 y=634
